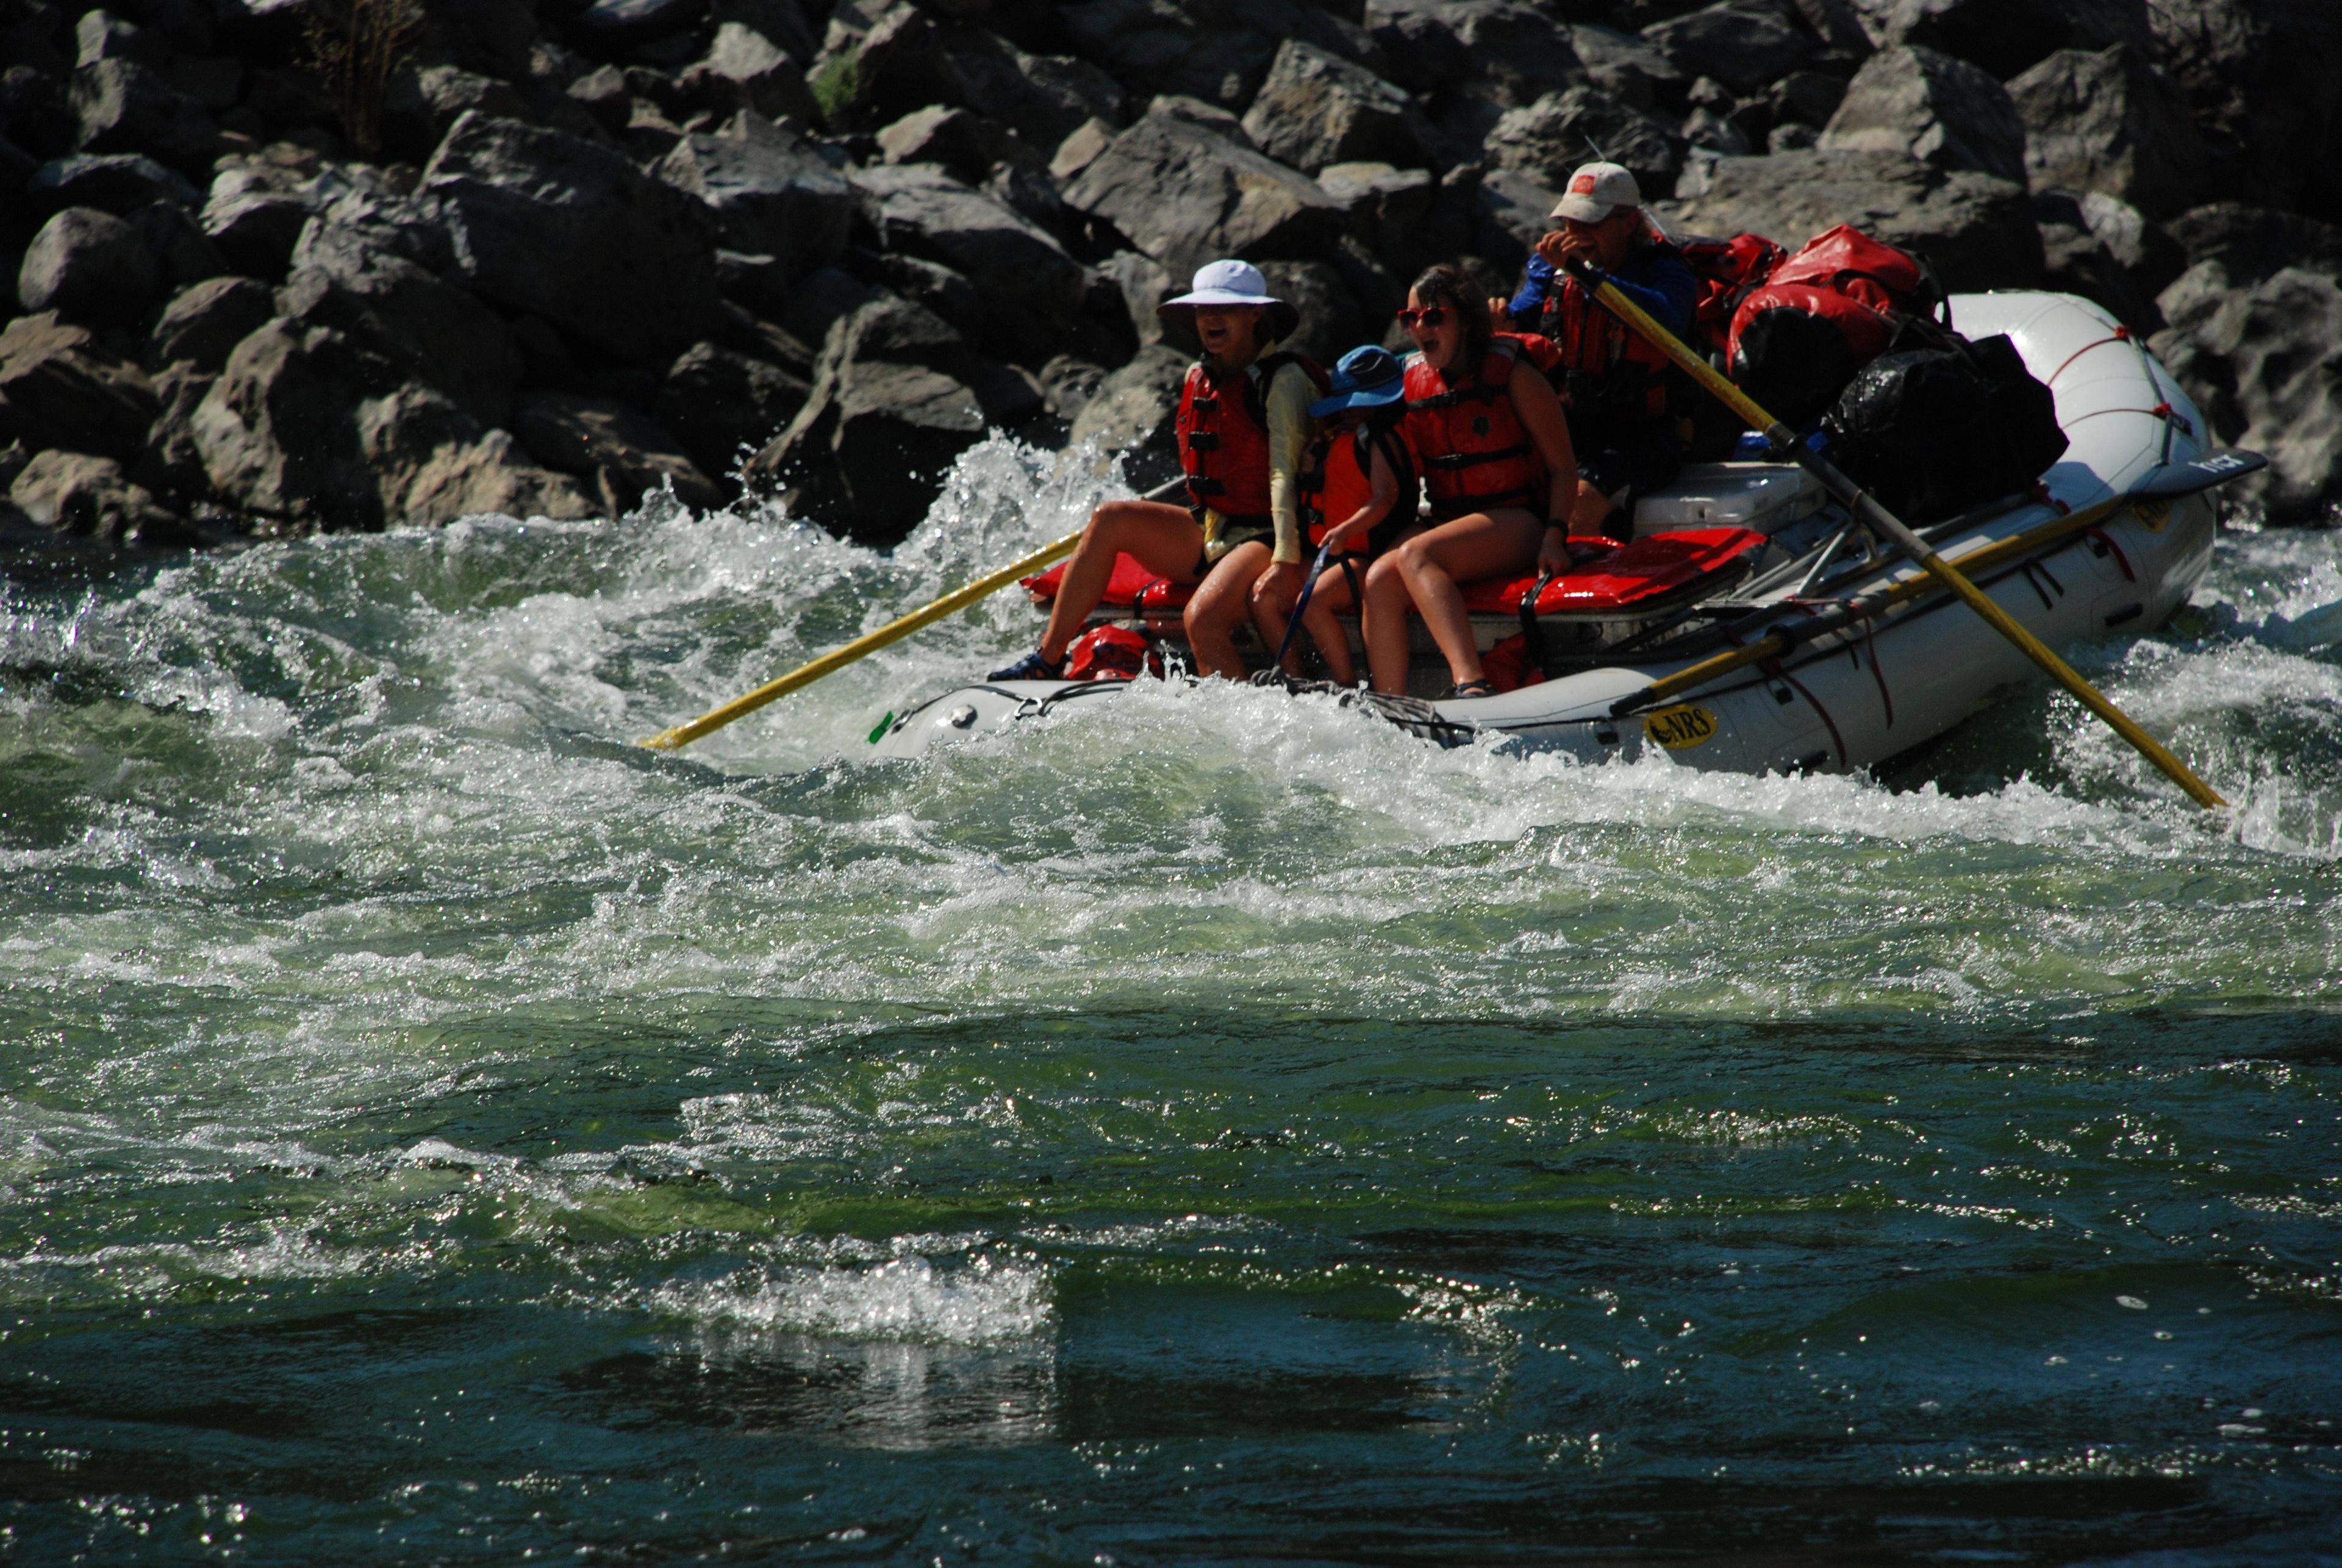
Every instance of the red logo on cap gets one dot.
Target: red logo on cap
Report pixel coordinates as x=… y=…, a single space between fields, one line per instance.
x=1583 y=186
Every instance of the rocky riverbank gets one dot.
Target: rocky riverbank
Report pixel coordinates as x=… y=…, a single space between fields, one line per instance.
x=295 y=264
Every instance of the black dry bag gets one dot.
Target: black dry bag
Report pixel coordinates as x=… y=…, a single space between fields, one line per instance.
x=1932 y=432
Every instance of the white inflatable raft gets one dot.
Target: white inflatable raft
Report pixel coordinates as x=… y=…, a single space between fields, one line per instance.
x=1734 y=552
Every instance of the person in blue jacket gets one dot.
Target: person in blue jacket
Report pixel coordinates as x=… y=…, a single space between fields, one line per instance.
x=1621 y=392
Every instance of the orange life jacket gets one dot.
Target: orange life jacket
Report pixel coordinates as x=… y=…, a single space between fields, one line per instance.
x=1605 y=367
x=1223 y=439
x=1337 y=478
x=1475 y=453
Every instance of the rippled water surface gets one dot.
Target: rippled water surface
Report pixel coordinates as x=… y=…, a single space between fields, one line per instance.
x=1208 y=1128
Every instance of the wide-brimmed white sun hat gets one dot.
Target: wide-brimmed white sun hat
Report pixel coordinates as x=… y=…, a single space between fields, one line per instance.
x=1230 y=282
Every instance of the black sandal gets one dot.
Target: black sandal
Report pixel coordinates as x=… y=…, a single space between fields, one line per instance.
x=1462 y=689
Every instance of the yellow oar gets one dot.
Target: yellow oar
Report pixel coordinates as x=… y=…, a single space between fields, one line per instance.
x=2164 y=486
x=895 y=631
x=1853 y=495
x=958 y=599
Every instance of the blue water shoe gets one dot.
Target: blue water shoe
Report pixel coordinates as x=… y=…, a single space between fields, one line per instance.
x=1033 y=666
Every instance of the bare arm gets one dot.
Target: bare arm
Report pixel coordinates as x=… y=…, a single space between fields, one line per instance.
x=1541 y=415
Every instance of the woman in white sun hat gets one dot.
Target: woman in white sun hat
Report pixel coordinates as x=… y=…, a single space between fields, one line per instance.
x=1244 y=425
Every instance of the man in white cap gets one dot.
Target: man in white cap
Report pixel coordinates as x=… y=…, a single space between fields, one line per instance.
x=1244 y=427
x=1616 y=386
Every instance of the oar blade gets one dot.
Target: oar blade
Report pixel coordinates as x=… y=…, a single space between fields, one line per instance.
x=2174 y=480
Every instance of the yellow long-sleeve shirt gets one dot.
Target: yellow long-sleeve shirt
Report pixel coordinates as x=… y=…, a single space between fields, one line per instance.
x=1290 y=393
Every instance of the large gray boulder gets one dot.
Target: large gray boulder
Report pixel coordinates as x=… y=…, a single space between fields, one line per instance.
x=413 y=227
x=1978 y=229
x=1216 y=50
x=1932 y=107
x=555 y=225
x=1512 y=209
x=2005 y=37
x=1744 y=44
x=1185 y=195
x=123 y=106
x=182 y=253
x=1626 y=66
x=621 y=452
x=116 y=182
x=1018 y=269
x=768 y=194
x=432 y=464
x=435 y=334
x=1133 y=412
x=2107 y=121
x=60 y=387
x=2253 y=242
x=306 y=430
x=274 y=431
x=2259 y=78
x=203 y=324
x=1331 y=321
x=255 y=212
x=102 y=35
x=913 y=57
x=89 y=496
x=1317 y=108
x=1389 y=208
x=1549 y=139
x=2263 y=360
x=1481 y=56
x=719 y=401
x=89 y=266
x=892 y=405
x=753 y=72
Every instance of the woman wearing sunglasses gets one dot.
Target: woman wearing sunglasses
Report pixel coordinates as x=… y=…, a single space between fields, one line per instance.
x=1498 y=470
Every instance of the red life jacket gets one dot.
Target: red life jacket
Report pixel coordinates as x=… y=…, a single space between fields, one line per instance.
x=1224 y=440
x=1605 y=366
x=1337 y=479
x=1474 y=454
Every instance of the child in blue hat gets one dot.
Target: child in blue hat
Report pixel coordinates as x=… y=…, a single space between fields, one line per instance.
x=1357 y=496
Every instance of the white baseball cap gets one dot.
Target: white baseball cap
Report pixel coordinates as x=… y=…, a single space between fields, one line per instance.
x=1595 y=191
x=1232 y=283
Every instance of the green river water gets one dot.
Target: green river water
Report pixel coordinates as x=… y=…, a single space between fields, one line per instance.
x=1212 y=1127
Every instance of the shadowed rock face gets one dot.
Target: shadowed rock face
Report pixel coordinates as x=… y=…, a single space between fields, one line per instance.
x=551 y=224
x=1978 y=229
x=1932 y=107
x=614 y=247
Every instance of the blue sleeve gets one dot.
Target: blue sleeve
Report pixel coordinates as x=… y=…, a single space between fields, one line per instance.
x=1665 y=291
x=1534 y=288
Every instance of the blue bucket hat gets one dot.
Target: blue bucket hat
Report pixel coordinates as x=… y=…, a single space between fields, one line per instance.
x=1368 y=378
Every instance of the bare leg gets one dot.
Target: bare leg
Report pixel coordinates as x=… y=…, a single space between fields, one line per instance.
x=1219 y=605
x=1161 y=537
x=1465 y=550
x=1332 y=597
x=1387 y=602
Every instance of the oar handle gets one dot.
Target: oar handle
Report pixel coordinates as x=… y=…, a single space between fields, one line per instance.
x=1301 y=602
x=1785 y=440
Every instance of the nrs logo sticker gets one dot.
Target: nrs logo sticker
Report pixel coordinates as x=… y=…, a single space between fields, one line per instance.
x=1681 y=728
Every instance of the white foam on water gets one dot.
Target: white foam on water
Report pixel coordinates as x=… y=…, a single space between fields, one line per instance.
x=983 y=1303
x=386 y=791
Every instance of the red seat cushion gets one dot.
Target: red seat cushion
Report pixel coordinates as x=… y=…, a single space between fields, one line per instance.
x=1131 y=586
x=1620 y=576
